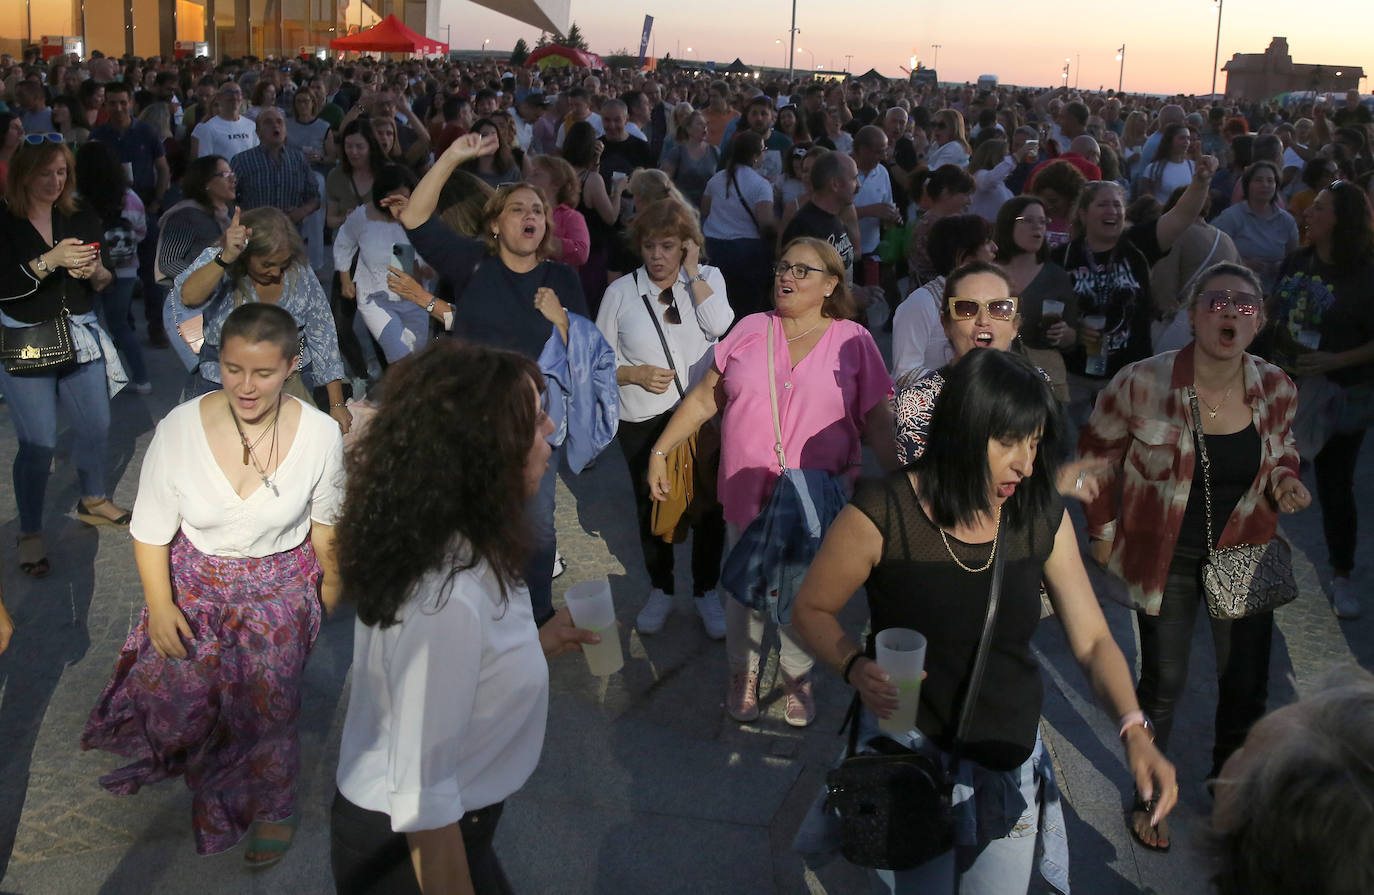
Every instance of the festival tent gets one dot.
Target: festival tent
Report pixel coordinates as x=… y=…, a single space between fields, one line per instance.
x=872 y=75
x=553 y=56
x=737 y=68
x=390 y=35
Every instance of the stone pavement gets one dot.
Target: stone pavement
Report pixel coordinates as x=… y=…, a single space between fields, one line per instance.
x=645 y=784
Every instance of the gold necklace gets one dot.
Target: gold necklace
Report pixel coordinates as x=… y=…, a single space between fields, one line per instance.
x=1213 y=411
x=997 y=527
x=803 y=335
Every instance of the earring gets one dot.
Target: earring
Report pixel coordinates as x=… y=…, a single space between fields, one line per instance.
x=827 y=295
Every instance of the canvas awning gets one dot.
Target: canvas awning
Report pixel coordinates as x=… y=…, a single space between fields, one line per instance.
x=554 y=55
x=390 y=35
x=546 y=15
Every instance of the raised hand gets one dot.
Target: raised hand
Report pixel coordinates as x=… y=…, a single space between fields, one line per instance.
x=235 y=239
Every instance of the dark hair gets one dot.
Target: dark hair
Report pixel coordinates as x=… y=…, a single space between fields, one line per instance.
x=1316 y=173
x=389 y=180
x=949 y=179
x=199 y=173
x=953 y=238
x=1166 y=139
x=579 y=144
x=1255 y=168
x=256 y=322
x=118 y=87
x=1145 y=208
x=1242 y=151
x=988 y=394
x=1004 y=232
x=101 y=181
x=1352 y=239
x=363 y=128
x=1078 y=111
x=745 y=146
x=1177 y=196
x=963 y=271
x=468 y=408
x=828 y=167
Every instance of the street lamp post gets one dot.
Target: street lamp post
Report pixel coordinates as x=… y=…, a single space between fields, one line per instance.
x=935 y=59
x=848 y=61
x=1067 y=63
x=1216 y=53
x=792 y=42
x=1121 y=72
x=1077 y=70
x=811 y=54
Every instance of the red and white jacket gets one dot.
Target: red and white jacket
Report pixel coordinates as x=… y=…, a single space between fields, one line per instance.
x=1143 y=425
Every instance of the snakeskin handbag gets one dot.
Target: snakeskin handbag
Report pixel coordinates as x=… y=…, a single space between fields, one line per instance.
x=1246 y=579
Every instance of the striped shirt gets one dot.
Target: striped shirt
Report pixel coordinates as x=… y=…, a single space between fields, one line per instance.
x=284 y=182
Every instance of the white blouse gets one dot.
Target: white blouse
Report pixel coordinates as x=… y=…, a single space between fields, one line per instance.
x=919 y=342
x=181 y=487
x=629 y=330
x=448 y=706
x=373 y=241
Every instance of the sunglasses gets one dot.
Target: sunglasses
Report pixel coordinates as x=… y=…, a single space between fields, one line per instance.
x=671 y=314
x=1216 y=300
x=968 y=308
x=38 y=139
x=799 y=271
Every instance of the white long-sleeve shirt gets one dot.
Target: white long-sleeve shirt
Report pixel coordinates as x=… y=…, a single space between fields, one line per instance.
x=991 y=190
x=919 y=343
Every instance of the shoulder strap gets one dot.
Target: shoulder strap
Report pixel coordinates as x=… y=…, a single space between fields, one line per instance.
x=980 y=661
x=747 y=210
x=662 y=340
x=773 y=401
x=1205 y=460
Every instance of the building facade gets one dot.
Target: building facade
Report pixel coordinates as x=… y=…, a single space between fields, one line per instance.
x=1261 y=76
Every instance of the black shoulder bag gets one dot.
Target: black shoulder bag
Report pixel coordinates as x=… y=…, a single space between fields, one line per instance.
x=894 y=805
x=44 y=348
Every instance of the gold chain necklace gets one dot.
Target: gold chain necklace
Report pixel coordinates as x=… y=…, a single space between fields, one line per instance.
x=1213 y=411
x=997 y=527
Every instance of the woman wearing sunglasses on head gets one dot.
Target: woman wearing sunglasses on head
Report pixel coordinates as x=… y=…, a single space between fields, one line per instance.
x=55 y=353
x=832 y=390
x=1177 y=502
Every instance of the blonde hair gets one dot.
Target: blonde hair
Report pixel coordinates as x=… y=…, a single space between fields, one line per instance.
x=159 y=116
x=650 y=185
x=271 y=232
x=955 y=122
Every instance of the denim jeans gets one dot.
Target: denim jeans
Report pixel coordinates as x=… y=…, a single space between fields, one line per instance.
x=539 y=511
x=115 y=301
x=401 y=328
x=84 y=397
x=1000 y=867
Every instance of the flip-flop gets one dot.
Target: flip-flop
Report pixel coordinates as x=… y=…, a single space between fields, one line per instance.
x=34 y=568
x=276 y=849
x=85 y=515
x=1140 y=806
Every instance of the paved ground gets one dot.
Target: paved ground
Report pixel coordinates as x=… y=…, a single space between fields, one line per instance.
x=645 y=785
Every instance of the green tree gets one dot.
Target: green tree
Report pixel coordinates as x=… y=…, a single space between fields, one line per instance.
x=520 y=53
x=573 y=38
x=543 y=40
x=621 y=58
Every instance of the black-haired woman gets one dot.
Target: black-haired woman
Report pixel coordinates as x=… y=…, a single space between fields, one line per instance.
x=1023 y=252
x=450 y=690
x=104 y=189
x=989 y=463
x=1327 y=290
x=738 y=223
x=233 y=538
x=198 y=221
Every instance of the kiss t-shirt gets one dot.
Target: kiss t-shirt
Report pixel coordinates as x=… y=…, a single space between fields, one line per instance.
x=1116 y=284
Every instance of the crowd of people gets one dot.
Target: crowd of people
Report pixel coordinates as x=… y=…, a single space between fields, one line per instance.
x=1159 y=308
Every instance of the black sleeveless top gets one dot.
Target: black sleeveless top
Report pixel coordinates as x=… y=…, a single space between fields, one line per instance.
x=917 y=585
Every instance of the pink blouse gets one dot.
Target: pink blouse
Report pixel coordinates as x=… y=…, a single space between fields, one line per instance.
x=570 y=227
x=822 y=403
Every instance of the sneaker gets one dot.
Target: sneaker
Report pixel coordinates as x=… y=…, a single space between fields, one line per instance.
x=142 y=388
x=712 y=614
x=560 y=565
x=799 y=704
x=742 y=699
x=1343 y=600
x=655 y=612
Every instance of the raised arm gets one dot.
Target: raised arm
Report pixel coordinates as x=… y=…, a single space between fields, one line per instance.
x=1172 y=224
x=425 y=197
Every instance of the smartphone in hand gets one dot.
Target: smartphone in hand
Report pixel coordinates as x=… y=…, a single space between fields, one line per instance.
x=403 y=256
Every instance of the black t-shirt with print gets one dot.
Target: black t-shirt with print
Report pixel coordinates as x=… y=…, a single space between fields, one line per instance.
x=821 y=224
x=1116 y=284
x=1314 y=295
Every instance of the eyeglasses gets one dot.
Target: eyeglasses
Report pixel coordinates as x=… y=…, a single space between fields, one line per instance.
x=671 y=314
x=1034 y=222
x=799 y=271
x=38 y=139
x=968 y=308
x=227 y=175
x=1216 y=300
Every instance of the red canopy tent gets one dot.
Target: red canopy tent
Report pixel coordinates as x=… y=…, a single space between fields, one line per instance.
x=554 y=55
x=390 y=35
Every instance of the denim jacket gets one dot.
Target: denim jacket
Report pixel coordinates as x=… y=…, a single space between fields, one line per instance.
x=582 y=397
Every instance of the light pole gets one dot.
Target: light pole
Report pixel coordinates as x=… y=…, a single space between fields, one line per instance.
x=935 y=59
x=485 y=41
x=1121 y=72
x=792 y=42
x=1065 y=75
x=1077 y=70
x=811 y=54
x=1216 y=53
x=848 y=60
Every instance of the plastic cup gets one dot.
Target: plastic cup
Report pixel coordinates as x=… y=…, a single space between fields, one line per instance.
x=901 y=652
x=1310 y=338
x=591 y=607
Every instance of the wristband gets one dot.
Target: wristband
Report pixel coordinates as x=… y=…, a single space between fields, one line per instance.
x=544 y=619
x=848 y=665
x=1136 y=718
x=219 y=259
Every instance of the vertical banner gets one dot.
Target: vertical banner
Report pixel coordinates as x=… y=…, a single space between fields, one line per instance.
x=644 y=39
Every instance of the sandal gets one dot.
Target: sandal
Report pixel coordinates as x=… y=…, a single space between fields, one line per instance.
x=83 y=512
x=1141 y=806
x=275 y=849
x=33 y=561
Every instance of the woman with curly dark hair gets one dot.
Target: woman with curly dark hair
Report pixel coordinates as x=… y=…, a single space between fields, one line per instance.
x=450 y=685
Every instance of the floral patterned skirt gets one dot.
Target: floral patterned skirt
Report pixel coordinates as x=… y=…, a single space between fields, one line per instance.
x=225 y=716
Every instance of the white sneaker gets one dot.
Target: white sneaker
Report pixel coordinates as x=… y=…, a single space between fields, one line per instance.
x=1343 y=600
x=655 y=612
x=712 y=614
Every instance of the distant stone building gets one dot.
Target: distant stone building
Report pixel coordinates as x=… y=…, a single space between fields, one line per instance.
x=1259 y=76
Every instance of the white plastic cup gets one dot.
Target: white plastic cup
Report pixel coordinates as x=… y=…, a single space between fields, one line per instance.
x=592 y=608
x=1050 y=306
x=1310 y=338
x=901 y=652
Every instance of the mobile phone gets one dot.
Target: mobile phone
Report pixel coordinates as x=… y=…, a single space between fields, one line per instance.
x=403 y=256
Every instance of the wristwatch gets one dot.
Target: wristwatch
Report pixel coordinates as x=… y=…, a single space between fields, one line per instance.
x=219 y=259
x=42 y=265
x=699 y=278
x=429 y=308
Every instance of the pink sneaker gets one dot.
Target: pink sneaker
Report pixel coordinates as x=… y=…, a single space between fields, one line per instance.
x=799 y=704
x=742 y=698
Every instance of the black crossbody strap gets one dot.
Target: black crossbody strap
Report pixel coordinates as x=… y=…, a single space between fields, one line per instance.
x=662 y=340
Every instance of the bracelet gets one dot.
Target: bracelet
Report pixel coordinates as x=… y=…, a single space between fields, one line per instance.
x=340 y=404
x=429 y=308
x=848 y=664
x=219 y=259
x=1136 y=718
x=657 y=451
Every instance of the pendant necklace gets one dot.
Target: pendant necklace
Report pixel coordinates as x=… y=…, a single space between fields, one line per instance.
x=1213 y=411
x=996 y=529
x=803 y=335
x=248 y=448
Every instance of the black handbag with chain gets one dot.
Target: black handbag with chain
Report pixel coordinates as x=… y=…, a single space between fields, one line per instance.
x=1246 y=579
x=42 y=349
x=894 y=804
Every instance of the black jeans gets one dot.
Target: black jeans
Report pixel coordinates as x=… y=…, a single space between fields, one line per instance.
x=1242 y=649
x=708 y=529
x=369 y=859
x=1335 y=469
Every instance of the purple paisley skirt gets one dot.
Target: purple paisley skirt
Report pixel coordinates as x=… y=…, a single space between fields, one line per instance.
x=225 y=716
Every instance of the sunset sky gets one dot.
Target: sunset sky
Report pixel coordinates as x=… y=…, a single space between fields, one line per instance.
x=1169 y=43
